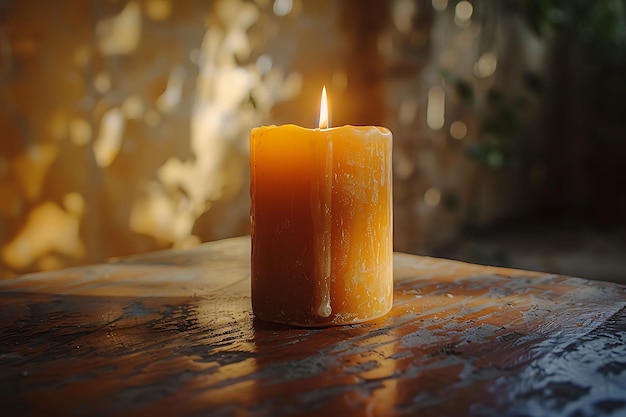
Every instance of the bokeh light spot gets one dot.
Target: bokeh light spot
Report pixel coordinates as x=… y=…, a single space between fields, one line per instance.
x=440 y=5
x=432 y=197
x=486 y=65
x=463 y=11
x=435 y=112
x=282 y=7
x=458 y=129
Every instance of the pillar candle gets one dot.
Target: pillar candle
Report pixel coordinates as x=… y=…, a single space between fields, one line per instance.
x=321 y=224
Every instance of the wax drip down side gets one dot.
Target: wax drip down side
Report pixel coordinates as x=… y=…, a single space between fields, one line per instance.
x=321 y=210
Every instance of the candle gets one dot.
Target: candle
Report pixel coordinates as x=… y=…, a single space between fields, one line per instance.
x=321 y=223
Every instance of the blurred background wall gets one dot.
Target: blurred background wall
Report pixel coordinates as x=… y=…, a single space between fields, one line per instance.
x=124 y=124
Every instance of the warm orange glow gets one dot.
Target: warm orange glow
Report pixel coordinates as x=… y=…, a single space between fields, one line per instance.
x=321 y=224
x=323 y=123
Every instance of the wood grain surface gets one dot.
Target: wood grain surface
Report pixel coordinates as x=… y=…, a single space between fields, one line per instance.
x=172 y=333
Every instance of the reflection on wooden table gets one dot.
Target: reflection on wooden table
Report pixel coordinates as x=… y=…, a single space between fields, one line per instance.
x=172 y=333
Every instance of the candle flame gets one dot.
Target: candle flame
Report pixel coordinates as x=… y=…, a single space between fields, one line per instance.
x=323 y=123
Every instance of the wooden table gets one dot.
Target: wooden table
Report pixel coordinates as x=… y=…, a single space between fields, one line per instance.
x=172 y=333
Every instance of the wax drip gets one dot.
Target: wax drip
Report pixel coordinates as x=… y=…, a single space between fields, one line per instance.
x=321 y=201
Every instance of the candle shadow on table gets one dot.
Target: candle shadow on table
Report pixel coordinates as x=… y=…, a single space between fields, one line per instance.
x=339 y=369
x=411 y=353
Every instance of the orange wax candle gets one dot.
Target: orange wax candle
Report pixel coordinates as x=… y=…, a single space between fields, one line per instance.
x=321 y=214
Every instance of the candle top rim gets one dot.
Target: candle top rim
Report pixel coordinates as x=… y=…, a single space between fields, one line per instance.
x=363 y=129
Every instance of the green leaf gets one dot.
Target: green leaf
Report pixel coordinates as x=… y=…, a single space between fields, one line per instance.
x=465 y=91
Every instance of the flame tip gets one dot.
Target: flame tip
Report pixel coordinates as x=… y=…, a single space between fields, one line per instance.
x=323 y=120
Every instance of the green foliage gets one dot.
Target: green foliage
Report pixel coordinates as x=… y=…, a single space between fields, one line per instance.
x=465 y=91
x=252 y=101
x=597 y=23
x=451 y=201
x=598 y=30
x=598 y=27
x=500 y=120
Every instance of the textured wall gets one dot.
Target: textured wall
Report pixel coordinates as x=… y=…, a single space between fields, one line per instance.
x=124 y=125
